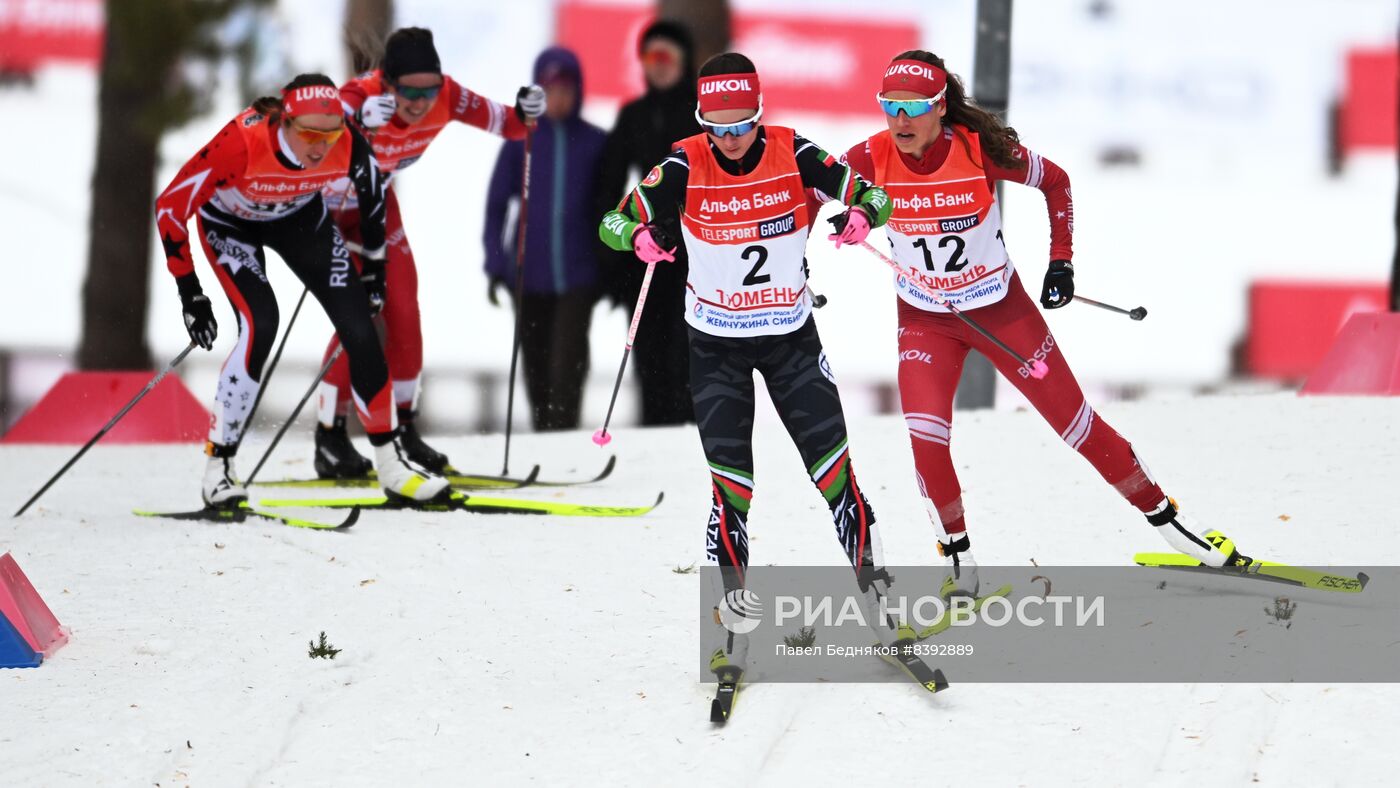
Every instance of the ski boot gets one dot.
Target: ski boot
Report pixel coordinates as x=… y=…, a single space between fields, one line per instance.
x=419 y=452
x=963 y=580
x=336 y=457
x=221 y=488
x=404 y=480
x=1211 y=548
x=734 y=612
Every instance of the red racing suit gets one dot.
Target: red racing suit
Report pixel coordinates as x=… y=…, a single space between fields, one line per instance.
x=945 y=230
x=398 y=145
x=249 y=194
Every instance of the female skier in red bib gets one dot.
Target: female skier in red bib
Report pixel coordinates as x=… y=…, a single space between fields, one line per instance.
x=258 y=184
x=939 y=160
x=401 y=108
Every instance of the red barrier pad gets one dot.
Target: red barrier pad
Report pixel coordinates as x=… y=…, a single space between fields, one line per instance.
x=1370 y=116
x=1292 y=323
x=26 y=611
x=1365 y=359
x=80 y=403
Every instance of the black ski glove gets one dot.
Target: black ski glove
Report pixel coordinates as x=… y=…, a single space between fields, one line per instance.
x=1058 y=289
x=199 y=313
x=372 y=278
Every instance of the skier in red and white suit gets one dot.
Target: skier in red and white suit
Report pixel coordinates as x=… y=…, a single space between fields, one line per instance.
x=258 y=185
x=401 y=107
x=939 y=160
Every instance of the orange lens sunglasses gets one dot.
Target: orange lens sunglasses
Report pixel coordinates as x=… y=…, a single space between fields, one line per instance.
x=313 y=136
x=658 y=57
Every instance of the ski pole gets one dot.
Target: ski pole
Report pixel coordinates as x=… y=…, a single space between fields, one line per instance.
x=1035 y=367
x=272 y=366
x=1137 y=313
x=601 y=437
x=110 y=424
x=519 y=293
x=296 y=412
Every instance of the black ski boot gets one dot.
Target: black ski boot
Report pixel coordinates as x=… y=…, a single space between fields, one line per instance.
x=419 y=452
x=336 y=457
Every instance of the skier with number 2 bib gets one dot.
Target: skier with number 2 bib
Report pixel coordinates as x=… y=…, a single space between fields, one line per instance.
x=737 y=191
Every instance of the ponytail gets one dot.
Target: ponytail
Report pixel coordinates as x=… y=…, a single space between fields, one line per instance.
x=269 y=107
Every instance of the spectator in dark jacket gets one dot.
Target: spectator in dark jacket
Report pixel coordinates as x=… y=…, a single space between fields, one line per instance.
x=561 y=242
x=645 y=130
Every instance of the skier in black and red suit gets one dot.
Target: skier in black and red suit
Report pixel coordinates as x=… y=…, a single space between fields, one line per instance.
x=258 y=184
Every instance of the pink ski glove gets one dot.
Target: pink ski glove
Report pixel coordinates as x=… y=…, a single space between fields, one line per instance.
x=857 y=226
x=648 y=250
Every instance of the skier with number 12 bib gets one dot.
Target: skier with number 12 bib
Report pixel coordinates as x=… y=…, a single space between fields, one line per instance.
x=939 y=159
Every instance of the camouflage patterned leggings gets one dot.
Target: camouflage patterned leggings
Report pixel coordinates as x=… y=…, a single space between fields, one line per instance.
x=799 y=380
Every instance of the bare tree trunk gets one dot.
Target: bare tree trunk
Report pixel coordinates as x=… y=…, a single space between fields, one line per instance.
x=141 y=94
x=367 y=24
x=708 y=21
x=119 y=224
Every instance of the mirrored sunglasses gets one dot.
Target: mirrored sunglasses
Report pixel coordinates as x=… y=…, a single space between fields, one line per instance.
x=737 y=129
x=312 y=136
x=658 y=57
x=411 y=93
x=911 y=107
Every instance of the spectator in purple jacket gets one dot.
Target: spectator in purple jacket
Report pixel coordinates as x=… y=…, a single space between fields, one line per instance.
x=561 y=242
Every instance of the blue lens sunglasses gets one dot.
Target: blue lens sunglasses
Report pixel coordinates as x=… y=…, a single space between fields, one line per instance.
x=737 y=129
x=911 y=107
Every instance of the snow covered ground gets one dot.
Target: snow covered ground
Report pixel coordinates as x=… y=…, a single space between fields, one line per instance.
x=561 y=651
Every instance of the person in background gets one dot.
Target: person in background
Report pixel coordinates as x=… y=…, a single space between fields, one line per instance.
x=401 y=107
x=646 y=129
x=561 y=246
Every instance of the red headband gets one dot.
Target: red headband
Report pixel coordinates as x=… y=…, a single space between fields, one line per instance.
x=728 y=91
x=915 y=75
x=311 y=100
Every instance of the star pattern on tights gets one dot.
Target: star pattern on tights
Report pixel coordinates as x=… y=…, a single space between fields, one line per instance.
x=171 y=244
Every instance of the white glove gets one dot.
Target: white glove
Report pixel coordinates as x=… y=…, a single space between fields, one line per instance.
x=529 y=102
x=377 y=110
x=372 y=254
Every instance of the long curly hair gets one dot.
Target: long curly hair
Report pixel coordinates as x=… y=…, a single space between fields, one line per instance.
x=998 y=139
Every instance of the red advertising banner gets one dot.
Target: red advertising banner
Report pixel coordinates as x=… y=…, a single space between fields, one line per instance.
x=1369 y=105
x=33 y=32
x=815 y=63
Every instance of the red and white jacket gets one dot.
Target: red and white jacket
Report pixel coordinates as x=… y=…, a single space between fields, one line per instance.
x=945 y=224
x=398 y=145
x=247 y=172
